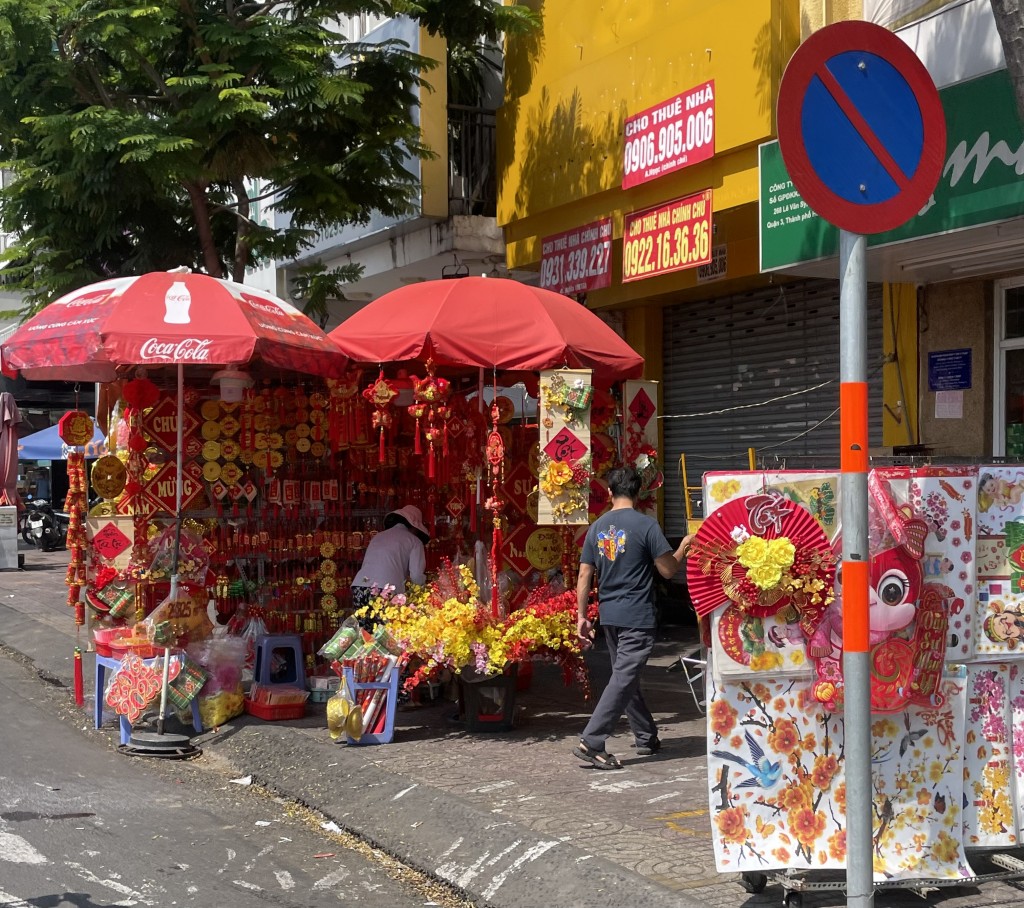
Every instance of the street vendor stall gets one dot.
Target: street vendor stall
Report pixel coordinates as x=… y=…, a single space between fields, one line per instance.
x=183 y=489
x=947 y=746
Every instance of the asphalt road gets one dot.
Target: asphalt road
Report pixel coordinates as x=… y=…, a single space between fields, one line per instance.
x=82 y=825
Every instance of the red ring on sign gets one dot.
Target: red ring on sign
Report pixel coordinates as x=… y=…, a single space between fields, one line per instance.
x=804 y=65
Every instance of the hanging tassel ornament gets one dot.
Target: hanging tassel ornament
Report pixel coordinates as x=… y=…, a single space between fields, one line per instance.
x=381 y=394
x=494 y=504
x=417 y=412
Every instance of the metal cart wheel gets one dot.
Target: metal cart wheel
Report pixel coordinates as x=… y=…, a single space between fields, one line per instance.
x=793 y=900
x=754 y=882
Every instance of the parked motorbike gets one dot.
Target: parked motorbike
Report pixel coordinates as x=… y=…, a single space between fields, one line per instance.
x=44 y=527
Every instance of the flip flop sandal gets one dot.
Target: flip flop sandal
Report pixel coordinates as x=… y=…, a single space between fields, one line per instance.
x=598 y=758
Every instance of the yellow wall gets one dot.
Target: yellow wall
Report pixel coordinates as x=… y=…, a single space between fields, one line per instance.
x=570 y=87
x=899 y=374
x=815 y=14
x=434 y=128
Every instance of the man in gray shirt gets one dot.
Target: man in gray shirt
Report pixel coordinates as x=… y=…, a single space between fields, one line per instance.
x=623 y=549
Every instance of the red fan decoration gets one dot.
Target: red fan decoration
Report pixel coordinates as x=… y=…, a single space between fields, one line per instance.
x=716 y=576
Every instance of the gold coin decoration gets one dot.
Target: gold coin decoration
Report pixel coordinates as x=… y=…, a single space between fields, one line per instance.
x=103 y=509
x=302 y=445
x=210 y=429
x=328 y=568
x=210 y=409
x=211 y=450
x=318 y=450
x=211 y=471
x=276 y=460
x=261 y=423
x=302 y=430
x=260 y=459
x=328 y=549
x=108 y=476
x=328 y=584
x=230 y=474
x=276 y=440
x=262 y=442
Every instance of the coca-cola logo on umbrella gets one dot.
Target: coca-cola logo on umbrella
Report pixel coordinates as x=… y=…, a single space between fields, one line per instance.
x=189 y=349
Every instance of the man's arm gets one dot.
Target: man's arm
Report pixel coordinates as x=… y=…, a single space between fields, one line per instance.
x=670 y=563
x=584 y=582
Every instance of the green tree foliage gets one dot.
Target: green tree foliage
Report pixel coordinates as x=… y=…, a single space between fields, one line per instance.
x=136 y=129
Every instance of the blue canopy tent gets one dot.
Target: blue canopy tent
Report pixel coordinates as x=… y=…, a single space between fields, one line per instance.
x=48 y=445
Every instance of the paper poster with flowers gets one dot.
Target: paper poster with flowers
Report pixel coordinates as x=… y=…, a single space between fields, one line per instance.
x=721 y=488
x=765 y=557
x=777 y=791
x=745 y=645
x=1015 y=695
x=816 y=490
x=917 y=769
x=640 y=439
x=564 y=463
x=917 y=593
x=989 y=820
x=947 y=497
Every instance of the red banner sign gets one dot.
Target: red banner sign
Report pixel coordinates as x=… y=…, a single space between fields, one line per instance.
x=578 y=260
x=669 y=237
x=161 y=423
x=670 y=136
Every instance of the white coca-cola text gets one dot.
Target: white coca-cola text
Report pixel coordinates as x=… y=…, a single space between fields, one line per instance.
x=188 y=350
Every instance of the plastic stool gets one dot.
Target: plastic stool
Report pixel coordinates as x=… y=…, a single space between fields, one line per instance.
x=279 y=661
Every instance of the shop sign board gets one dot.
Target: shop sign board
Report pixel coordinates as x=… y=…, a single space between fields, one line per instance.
x=949 y=370
x=674 y=134
x=578 y=260
x=669 y=237
x=979 y=183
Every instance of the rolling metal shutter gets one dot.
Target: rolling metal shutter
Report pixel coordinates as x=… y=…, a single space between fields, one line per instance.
x=750 y=348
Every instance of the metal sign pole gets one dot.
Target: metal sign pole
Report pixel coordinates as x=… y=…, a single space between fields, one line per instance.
x=853 y=400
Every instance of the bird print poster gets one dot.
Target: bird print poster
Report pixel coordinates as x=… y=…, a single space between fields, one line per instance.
x=777 y=790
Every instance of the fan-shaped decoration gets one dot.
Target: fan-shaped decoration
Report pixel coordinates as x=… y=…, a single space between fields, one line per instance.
x=762 y=552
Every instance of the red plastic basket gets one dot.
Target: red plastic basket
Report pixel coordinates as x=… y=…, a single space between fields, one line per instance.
x=275 y=713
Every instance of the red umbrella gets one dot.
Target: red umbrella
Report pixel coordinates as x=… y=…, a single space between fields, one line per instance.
x=10 y=417
x=167 y=318
x=489 y=323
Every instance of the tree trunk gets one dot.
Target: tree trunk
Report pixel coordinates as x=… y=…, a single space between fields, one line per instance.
x=201 y=211
x=1009 y=15
x=243 y=230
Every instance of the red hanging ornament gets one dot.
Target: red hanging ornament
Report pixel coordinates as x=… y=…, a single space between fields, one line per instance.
x=417 y=411
x=140 y=393
x=381 y=393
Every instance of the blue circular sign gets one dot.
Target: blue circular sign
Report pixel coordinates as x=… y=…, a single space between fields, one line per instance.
x=861 y=127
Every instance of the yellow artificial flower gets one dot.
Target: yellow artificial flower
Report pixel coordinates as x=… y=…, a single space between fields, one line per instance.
x=559 y=473
x=752 y=551
x=781 y=552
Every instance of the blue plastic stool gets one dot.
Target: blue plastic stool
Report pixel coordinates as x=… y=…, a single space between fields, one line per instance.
x=279 y=661
x=106 y=662
x=385 y=735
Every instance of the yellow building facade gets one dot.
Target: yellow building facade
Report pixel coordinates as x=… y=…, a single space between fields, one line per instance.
x=570 y=91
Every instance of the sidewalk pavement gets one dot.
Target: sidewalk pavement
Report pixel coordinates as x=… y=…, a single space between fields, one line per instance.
x=511 y=818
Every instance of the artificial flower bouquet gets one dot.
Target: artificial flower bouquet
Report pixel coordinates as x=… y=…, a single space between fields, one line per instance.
x=444 y=624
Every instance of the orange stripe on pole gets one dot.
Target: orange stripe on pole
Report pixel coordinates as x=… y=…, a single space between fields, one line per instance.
x=855 y=606
x=853 y=426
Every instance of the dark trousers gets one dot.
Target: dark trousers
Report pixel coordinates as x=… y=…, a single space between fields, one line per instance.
x=629 y=648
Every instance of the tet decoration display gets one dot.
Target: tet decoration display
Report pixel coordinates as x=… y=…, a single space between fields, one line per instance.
x=565 y=463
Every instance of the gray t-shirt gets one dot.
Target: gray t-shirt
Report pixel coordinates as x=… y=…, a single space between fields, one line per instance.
x=622 y=545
